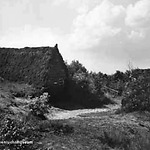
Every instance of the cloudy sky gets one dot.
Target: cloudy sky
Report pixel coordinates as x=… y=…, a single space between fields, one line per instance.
x=104 y=35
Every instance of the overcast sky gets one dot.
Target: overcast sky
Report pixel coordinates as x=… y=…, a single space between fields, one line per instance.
x=104 y=35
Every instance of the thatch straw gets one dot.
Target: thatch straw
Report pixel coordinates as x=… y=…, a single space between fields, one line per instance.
x=40 y=66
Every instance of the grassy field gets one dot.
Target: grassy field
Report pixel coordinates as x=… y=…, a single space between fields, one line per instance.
x=105 y=130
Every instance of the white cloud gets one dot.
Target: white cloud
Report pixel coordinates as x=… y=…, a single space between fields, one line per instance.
x=80 y=6
x=135 y=35
x=58 y=2
x=138 y=15
x=104 y=34
x=100 y=22
x=94 y=25
x=30 y=36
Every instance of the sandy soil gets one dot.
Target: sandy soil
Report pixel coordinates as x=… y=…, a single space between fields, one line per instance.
x=67 y=114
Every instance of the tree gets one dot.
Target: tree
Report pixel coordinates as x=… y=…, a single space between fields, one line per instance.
x=76 y=67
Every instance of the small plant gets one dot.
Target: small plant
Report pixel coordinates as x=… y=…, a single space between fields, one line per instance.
x=61 y=129
x=15 y=135
x=39 y=106
x=115 y=138
x=55 y=127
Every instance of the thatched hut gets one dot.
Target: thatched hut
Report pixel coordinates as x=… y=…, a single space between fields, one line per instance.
x=40 y=66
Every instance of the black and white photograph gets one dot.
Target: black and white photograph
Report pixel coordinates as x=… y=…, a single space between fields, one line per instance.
x=74 y=74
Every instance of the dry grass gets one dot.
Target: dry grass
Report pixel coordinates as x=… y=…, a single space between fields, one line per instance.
x=93 y=131
x=111 y=131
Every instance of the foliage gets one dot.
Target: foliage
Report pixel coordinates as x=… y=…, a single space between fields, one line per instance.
x=76 y=67
x=62 y=129
x=39 y=106
x=137 y=95
x=114 y=138
x=15 y=135
x=137 y=90
x=20 y=89
x=84 y=87
x=19 y=132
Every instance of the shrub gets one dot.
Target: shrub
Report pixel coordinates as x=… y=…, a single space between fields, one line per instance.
x=62 y=129
x=39 y=106
x=20 y=89
x=84 y=87
x=137 y=95
x=14 y=134
x=115 y=139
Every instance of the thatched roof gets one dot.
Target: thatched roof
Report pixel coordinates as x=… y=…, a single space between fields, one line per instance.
x=40 y=66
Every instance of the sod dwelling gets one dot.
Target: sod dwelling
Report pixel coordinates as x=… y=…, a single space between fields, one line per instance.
x=42 y=67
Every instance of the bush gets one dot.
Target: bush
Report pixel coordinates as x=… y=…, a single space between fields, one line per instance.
x=20 y=89
x=84 y=87
x=39 y=106
x=61 y=129
x=137 y=95
x=115 y=139
x=55 y=126
x=14 y=135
